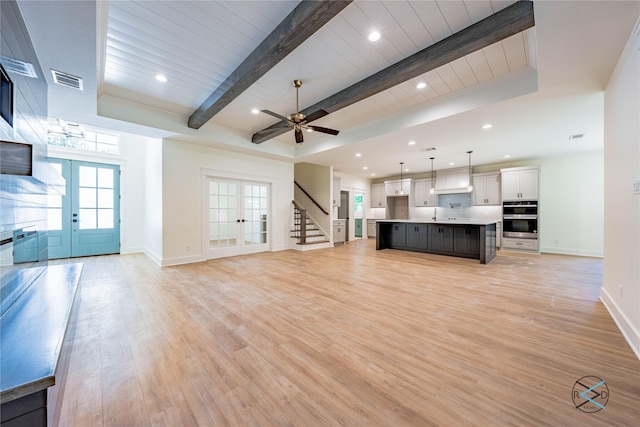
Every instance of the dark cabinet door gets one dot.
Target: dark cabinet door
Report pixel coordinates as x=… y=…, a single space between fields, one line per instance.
x=398 y=236
x=440 y=238
x=417 y=237
x=467 y=240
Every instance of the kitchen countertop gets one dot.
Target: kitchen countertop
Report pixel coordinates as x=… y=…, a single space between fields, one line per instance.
x=465 y=221
x=33 y=330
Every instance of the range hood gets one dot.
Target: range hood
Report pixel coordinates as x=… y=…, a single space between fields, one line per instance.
x=452 y=181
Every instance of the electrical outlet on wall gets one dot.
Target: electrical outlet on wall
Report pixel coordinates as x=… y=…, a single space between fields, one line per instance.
x=188 y=248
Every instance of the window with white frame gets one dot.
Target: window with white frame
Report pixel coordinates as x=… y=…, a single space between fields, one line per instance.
x=73 y=135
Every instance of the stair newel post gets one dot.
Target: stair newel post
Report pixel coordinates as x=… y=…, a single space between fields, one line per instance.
x=303 y=226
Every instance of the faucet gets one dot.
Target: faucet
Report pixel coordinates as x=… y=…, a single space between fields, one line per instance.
x=435 y=213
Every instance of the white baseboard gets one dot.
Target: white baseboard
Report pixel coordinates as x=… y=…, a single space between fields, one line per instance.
x=569 y=251
x=155 y=258
x=132 y=250
x=167 y=262
x=630 y=333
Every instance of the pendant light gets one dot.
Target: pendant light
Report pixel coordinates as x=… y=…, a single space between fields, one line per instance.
x=432 y=191
x=401 y=191
x=470 y=187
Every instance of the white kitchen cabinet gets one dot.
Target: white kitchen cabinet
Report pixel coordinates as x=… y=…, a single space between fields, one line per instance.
x=486 y=189
x=520 y=183
x=371 y=228
x=397 y=188
x=452 y=181
x=336 y=191
x=339 y=231
x=422 y=193
x=378 y=196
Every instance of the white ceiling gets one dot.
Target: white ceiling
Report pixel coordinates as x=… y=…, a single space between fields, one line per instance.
x=536 y=88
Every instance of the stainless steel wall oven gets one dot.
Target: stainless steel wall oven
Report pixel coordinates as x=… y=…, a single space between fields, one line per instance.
x=520 y=219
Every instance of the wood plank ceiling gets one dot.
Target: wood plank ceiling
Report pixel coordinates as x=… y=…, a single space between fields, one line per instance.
x=197 y=45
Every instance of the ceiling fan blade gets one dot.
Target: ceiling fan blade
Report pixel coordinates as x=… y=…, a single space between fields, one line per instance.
x=315 y=115
x=299 y=138
x=276 y=115
x=324 y=130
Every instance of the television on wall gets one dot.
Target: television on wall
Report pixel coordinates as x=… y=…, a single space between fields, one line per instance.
x=6 y=96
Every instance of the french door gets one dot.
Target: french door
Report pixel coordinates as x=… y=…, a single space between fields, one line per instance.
x=86 y=220
x=237 y=217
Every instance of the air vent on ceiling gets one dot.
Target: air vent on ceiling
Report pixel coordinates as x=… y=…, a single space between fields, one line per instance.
x=18 y=67
x=428 y=149
x=67 y=80
x=576 y=136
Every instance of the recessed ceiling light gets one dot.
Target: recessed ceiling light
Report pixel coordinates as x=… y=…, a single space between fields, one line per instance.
x=161 y=78
x=487 y=126
x=255 y=111
x=406 y=170
x=309 y=130
x=421 y=85
x=412 y=143
x=451 y=164
x=358 y=154
x=373 y=174
x=506 y=156
x=365 y=167
x=374 y=36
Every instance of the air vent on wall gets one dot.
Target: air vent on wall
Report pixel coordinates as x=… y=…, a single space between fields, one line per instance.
x=67 y=80
x=576 y=136
x=18 y=67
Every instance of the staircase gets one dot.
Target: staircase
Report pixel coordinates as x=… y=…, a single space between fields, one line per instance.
x=306 y=232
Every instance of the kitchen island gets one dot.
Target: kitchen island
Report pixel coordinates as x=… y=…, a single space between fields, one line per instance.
x=462 y=238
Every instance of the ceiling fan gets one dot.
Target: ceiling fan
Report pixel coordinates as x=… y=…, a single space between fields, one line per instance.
x=298 y=120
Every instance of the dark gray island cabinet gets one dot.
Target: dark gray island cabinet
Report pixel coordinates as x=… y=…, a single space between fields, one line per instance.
x=468 y=239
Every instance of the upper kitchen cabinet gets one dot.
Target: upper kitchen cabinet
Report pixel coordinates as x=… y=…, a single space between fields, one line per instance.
x=378 y=196
x=397 y=188
x=520 y=183
x=452 y=181
x=486 y=189
x=422 y=193
x=336 y=191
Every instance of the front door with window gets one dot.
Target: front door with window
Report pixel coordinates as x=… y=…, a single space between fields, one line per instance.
x=237 y=217
x=86 y=220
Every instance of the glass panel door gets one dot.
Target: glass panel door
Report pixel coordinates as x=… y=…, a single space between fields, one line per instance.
x=223 y=214
x=86 y=220
x=255 y=214
x=237 y=217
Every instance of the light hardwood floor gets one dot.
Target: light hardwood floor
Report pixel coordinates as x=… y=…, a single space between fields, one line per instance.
x=343 y=336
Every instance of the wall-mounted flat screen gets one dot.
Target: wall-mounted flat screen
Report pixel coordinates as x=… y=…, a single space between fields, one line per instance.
x=6 y=96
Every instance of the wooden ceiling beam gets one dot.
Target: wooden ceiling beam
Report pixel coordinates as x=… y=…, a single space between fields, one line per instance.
x=505 y=23
x=300 y=24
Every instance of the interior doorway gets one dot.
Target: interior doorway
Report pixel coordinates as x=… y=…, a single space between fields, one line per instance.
x=358 y=213
x=343 y=212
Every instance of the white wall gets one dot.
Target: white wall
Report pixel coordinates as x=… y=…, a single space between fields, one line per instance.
x=183 y=167
x=153 y=200
x=133 y=150
x=621 y=290
x=572 y=204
